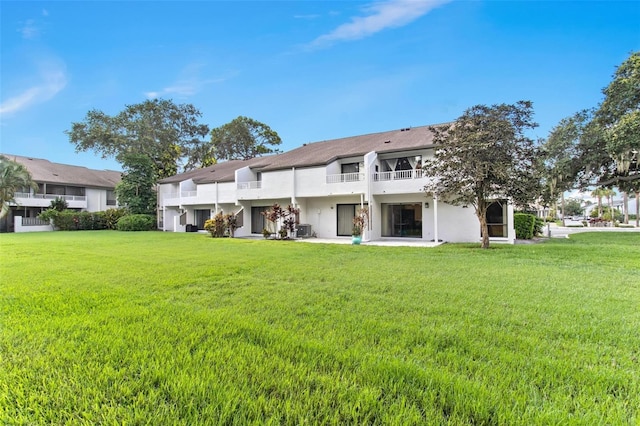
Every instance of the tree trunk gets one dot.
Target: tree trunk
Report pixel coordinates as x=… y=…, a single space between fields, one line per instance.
x=481 y=212
x=562 y=201
x=625 y=206
x=637 y=209
x=611 y=208
x=599 y=205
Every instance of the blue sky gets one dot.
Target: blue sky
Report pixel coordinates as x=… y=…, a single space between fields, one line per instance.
x=311 y=70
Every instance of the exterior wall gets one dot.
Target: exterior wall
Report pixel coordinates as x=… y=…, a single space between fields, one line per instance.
x=170 y=214
x=227 y=192
x=96 y=200
x=169 y=195
x=317 y=191
x=19 y=227
x=321 y=214
x=277 y=184
x=456 y=224
x=245 y=175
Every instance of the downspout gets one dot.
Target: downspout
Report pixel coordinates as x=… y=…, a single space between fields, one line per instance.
x=159 y=203
x=216 y=201
x=369 y=160
x=364 y=235
x=293 y=187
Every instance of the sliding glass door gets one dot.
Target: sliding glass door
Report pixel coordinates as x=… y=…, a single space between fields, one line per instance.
x=345 y=213
x=402 y=220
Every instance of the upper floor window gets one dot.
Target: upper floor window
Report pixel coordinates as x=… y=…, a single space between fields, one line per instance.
x=111 y=198
x=64 y=190
x=350 y=168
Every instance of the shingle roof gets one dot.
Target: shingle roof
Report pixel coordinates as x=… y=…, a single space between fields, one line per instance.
x=320 y=153
x=315 y=154
x=48 y=172
x=221 y=172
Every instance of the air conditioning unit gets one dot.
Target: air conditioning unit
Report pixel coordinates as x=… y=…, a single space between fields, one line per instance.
x=304 y=231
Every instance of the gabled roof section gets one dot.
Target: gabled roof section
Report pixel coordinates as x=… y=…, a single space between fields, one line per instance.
x=221 y=172
x=321 y=153
x=315 y=154
x=64 y=174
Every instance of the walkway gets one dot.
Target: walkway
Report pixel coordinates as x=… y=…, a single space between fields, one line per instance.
x=386 y=243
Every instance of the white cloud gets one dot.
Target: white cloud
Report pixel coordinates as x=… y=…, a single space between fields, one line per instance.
x=52 y=79
x=189 y=84
x=29 y=30
x=309 y=16
x=379 y=16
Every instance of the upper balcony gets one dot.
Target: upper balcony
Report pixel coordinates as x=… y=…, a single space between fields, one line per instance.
x=44 y=200
x=256 y=184
x=398 y=182
x=345 y=178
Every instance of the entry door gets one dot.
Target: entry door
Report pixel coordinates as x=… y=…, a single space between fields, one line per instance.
x=345 y=213
x=201 y=216
x=258 y=221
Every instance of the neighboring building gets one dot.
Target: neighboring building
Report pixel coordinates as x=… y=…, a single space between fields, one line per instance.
x=83 y=189
x=329 y=181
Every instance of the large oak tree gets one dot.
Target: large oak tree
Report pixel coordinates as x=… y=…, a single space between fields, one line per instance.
x=619 y=118
x=483 y=156
x=241 y=139
x=164 y=132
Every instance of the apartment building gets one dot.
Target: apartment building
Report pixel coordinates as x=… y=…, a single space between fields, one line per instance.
x=329 y=181
x=83 y=189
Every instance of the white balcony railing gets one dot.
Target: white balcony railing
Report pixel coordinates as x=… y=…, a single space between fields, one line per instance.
x=187 y=194
x=345 y=177
x=250 y=185
x=397 y=175
x=50 y=196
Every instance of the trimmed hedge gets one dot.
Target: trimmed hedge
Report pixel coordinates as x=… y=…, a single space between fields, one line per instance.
x=538 y=226
x=525 y=225
x=137 y=222
x=72 y=220
x=69 y=220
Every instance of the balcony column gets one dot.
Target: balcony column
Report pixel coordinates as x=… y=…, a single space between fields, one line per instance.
x=511 y=229
x=435 y=218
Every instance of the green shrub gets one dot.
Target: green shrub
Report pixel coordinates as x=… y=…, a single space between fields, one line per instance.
x=98 y=220
x=71 y=220
x=525 y=225
x=538 y=226
x=113 y=215
x=49 y=214
x=137 y=222
x=215 y=226
x=59 y=204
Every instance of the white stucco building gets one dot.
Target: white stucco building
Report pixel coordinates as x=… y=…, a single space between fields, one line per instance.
x=328 y=181
x=83 y=189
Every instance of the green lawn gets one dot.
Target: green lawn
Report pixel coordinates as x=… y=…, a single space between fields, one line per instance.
x=179 y=328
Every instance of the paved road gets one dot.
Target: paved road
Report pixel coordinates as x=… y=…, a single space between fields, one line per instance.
x=565 y=231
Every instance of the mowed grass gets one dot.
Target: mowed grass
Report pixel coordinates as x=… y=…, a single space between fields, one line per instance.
x=178 y=328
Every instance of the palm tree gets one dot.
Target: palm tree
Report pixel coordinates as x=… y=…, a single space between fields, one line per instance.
x=14 y=177
x=599 y=192
x=610 y=193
